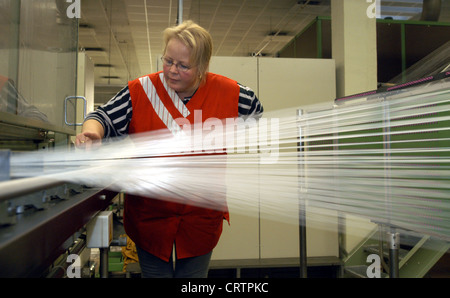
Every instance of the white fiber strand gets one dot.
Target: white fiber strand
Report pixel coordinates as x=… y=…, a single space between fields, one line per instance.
x=387 y=161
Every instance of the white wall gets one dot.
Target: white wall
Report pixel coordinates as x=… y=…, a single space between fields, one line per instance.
x=283 y=85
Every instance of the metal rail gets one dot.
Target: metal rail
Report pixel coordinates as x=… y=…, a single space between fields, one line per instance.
x=30 y=246
x=20 y=187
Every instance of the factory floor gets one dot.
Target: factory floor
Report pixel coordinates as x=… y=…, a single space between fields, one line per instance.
x=285 y=269
x=440 y=270
x=316 y=269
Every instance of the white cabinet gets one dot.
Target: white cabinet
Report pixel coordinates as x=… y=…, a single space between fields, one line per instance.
x=283 y=86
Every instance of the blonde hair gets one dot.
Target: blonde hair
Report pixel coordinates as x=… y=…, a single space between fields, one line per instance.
x=197 y=39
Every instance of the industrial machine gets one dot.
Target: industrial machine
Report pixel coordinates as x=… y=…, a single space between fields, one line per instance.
x=42 y=221
x=392 y=159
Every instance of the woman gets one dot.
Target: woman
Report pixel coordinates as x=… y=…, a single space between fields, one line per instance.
x=155 y=102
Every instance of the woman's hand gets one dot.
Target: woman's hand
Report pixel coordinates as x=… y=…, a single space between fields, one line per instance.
x=91 y=136
x=88 y=140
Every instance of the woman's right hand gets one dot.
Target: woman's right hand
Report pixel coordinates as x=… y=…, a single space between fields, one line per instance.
x=88 y=140
x=91 y=136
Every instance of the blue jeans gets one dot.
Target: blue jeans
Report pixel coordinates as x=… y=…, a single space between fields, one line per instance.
x=153 y=267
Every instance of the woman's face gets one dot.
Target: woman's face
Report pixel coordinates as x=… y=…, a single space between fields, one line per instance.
x=181 y=76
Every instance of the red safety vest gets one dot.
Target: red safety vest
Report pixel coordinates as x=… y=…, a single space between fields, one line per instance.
x=155 y=225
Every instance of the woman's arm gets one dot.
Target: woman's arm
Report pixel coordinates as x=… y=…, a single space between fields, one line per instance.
x=108 y=121
x=249 y=104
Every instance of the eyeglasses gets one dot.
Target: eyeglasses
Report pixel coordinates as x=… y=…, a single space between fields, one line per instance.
x=169 y=62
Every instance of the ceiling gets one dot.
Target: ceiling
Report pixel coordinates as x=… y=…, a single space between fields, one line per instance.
x=124 y=37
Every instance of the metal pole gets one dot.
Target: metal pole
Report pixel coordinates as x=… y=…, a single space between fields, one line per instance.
x=302 y=211
x=431 y=10
x=393 y=237
x=104 y=262
x=20 y=187
x=302 y=235
x=5 y=167
x=180 y=12
x=394 y=243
